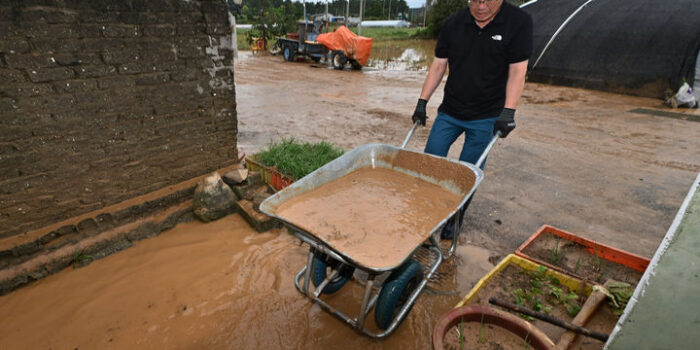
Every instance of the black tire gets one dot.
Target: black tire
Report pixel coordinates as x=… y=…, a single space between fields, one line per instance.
x=316 y=59
x=355 y=65
x=318 y=272
x=288 y=53
x=338 y=60
x=395 y=292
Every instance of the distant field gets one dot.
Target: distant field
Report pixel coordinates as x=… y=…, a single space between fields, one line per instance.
x=383 y=34
x=378 y=34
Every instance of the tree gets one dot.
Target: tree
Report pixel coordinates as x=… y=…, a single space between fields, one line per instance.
x=438 y=13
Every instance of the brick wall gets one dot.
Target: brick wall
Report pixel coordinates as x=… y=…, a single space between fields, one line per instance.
x=103 y=100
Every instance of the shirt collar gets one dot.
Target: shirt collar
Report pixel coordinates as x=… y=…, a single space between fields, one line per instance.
x=500 y=16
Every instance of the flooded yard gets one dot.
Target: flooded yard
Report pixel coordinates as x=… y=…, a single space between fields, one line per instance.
x=579 y=160
x=206 y=286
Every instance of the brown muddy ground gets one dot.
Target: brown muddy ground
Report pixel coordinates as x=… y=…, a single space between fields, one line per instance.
x=205 y=286
x=578 y=159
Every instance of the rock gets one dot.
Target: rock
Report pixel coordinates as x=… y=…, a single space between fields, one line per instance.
x=257 y=220
x=255 y=178
x=259 y=197
x=235 y=177
x=213 y=199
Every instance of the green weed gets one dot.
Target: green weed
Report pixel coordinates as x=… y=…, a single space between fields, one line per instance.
x=482 y=331
x=557 y=254
x=298 y=159
x=81 y=259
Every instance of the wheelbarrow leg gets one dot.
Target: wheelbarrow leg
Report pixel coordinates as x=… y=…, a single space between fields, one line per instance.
x=325 y=282
x=307 y=274
x=364 y=309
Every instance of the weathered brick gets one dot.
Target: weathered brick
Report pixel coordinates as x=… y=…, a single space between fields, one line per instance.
x=91 y=30
x=52 y=45
x=40 y=75
x=6 y=13
x=25 y=89
x=152 y=79
x=101 y=16
x=159 y=30
x=116 y=82
x=120 y=31
x=139 y=17
x=99 y=45
x=120 y=56
x=74 y=86
x=8 y=76
x=30 y=60
x=13 y=45
x=96 y=71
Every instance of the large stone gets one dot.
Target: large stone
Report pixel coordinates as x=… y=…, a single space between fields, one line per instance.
x=213 y=199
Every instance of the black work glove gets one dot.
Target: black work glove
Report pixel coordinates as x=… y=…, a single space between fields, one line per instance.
x=505 y=122
x=419 y=113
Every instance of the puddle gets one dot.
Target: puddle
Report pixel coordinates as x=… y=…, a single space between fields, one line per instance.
x=403 y=55
x=393 y=55
x=472 y=264
x=206 y=286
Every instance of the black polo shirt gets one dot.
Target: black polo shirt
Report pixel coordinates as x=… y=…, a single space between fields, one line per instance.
x=478 y=60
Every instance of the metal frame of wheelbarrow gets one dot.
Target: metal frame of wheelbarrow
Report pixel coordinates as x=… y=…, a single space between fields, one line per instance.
x=374 y=276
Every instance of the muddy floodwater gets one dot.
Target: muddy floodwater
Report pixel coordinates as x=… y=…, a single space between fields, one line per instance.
x=375 y=216
x=206 y=286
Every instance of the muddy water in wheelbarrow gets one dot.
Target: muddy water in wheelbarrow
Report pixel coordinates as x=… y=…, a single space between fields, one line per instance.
x=204 y=286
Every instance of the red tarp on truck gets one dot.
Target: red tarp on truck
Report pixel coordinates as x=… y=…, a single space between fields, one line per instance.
x=355 y=47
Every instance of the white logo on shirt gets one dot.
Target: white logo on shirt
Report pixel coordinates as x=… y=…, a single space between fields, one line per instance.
x=497 y=37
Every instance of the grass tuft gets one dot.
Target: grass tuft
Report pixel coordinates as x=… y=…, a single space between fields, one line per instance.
x=297 y=159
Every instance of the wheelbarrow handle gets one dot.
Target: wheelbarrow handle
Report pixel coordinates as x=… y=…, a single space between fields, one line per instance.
x=410 y=133
x=482 y=158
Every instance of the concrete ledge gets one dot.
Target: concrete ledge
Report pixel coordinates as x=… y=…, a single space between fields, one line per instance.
x=79 y=240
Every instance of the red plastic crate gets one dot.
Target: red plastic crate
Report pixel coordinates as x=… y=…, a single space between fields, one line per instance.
x=603 y=251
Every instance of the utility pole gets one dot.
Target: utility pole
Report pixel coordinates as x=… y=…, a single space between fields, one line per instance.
x=262 y=19
x=362 y=9
x=347 y=13
x=304 y=6
x=425 y=12
x=326 y=17
x=389 y=16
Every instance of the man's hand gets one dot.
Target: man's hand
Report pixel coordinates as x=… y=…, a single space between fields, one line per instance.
x=419 y=113
x=505 y=122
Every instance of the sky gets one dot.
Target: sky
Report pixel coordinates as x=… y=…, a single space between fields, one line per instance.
x=411 y=3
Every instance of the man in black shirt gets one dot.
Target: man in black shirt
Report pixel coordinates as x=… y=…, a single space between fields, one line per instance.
x=487 y=47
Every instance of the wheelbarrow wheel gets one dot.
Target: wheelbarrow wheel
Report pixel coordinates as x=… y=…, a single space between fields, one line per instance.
x=395 y=292
x=319 y=272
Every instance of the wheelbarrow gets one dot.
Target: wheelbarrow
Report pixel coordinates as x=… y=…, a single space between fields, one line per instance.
x=390 y=289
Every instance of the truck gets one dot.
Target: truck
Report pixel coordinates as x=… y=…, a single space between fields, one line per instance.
x=303 y=42
x=338 y=48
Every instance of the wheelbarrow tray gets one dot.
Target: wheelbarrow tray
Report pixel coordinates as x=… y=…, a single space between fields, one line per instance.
x=454 y=176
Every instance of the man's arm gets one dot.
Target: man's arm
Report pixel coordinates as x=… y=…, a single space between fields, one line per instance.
x=435 y=73
x=515 y=84
x=514 y=89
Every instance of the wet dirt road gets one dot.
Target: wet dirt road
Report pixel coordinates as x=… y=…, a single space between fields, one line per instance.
x=578 y=160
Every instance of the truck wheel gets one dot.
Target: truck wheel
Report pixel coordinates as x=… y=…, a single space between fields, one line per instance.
x=287 y=53
x=319 y=272
x=338 y=60
x=355 y=65
x=395 y=292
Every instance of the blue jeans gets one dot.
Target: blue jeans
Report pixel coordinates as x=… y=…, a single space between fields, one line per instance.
x=477 y=135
